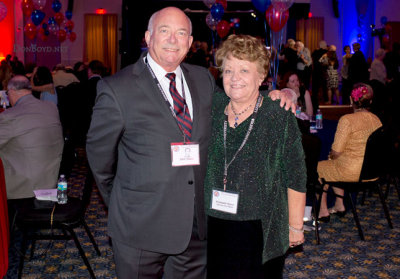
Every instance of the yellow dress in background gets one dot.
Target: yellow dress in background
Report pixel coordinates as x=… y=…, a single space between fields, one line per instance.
x=350 y=139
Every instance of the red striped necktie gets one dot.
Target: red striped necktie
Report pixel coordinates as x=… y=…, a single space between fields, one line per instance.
x=180 y=107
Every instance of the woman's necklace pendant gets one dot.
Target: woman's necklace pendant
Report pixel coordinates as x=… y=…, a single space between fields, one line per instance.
x=236 y=121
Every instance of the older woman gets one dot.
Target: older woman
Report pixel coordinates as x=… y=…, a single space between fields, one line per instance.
x=347 y=154
x=255 y=183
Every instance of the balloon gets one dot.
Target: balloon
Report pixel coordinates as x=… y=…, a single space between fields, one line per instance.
x=37 y=17
x=42 y=35
x=217 y=11
x=208 y=3
x=211 y=22
x=224 y=3
x=58 y=17
x=68 y=14
x=384 y=20
x=51 y=21
x=27 y=7
x=3 y=10
x=261 y=5
x=53 y=28
x=62 y=35
x=56 y=6
x=72 y=36
x=282 y=5
x=276 y=19
x=223 y=28
x=69 y=25
x=39 y=4
x=30 y=30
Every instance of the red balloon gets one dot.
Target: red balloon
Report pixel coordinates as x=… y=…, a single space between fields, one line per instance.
x=27 y=7
x=72 y=36
x=58 y=17
x=276 y=19
x=69 y=25
x=223 y=3
x=30 y=30
x=223 y=28
x=62 y=35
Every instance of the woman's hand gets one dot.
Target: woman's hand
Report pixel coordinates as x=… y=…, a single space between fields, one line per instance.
x=296 y=236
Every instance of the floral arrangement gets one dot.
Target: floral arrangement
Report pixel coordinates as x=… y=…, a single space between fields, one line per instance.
x=359 y=92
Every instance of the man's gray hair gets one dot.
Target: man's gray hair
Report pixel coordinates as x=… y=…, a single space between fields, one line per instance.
x=151 y=22
x=19 y=82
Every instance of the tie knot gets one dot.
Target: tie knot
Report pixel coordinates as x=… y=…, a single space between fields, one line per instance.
x=171 y=76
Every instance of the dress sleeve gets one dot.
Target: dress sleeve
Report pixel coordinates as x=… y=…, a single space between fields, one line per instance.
x=342 y=135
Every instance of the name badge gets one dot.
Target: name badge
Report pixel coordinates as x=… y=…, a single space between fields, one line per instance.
x=185 y=154
x=224 y=201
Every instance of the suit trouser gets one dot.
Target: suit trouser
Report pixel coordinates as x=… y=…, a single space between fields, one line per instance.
x=132 y=263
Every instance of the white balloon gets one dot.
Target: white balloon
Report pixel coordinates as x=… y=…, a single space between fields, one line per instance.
x=282 y=5
x=208 y=3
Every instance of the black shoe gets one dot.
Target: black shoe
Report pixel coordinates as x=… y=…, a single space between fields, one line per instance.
x=324 y=219
x=341 y=214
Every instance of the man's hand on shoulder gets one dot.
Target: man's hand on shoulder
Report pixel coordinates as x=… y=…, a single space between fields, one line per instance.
x=287 y=96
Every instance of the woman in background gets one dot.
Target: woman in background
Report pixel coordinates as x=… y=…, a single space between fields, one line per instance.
x=347 y=154
x=43 y=81
x=291 y=80
x=330 y=60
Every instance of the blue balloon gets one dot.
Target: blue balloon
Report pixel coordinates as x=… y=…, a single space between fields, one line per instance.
x=261 y=5
x=37 y=17
x=384 y=20
x=68 y=14
x=44 y=26
x=217 y=11
x=51 y=21
x=56 y=6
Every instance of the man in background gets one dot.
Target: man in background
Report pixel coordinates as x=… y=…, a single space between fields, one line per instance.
x=31 y=141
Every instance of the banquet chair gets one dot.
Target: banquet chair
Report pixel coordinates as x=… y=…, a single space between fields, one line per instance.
x=312 y=148
x=33 y=215
x=372 y=171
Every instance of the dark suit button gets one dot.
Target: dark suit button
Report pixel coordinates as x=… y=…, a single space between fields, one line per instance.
x=190 y=182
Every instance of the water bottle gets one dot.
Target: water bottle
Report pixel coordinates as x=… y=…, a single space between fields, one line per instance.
x=298 y=111
x=62 y=190
x=318 y=119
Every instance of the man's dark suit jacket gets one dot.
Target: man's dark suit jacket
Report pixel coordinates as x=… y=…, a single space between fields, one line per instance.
x=151 y=204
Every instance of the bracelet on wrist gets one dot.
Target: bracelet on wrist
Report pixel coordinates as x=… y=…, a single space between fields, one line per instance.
x=296 y=230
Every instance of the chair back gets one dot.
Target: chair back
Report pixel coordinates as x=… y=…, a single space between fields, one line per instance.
x=375 y=157
x=312 y=149
x=4 y=224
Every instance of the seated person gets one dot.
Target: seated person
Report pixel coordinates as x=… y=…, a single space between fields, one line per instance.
x=31 y=141
x=42 y=81
x=291 y=80
x=347 y=154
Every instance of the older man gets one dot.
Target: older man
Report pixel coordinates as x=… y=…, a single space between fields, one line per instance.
x=144 y=119
x=31 y=141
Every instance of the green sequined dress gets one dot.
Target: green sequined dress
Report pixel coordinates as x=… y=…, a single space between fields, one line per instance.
x=271 y=161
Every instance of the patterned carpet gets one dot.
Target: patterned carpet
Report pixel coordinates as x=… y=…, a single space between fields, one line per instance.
x=341 y=254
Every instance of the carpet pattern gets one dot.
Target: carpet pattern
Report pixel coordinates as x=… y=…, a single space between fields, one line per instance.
x=341 y=253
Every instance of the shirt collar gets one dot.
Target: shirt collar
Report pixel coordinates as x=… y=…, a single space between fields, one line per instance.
x=23 y=97
x=159 y=71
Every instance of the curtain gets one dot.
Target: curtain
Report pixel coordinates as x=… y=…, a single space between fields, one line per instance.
x=310 y=31
x=101 y=39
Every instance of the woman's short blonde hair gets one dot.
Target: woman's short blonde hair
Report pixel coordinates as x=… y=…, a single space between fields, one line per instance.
x=244 y=47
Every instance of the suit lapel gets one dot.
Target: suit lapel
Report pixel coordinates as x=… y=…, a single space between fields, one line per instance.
x=144 y=82
x=194 y=93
